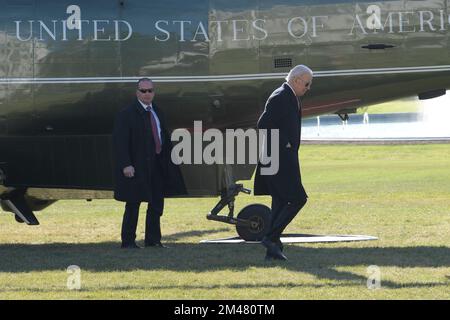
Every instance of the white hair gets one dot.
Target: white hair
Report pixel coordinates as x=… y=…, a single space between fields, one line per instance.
x=298 y=71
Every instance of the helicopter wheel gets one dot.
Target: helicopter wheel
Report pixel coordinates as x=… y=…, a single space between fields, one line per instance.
x=260 y=218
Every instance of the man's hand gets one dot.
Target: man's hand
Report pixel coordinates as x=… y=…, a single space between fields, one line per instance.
x=128 y=172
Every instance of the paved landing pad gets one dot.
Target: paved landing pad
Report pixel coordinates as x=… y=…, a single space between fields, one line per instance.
x=300 y=238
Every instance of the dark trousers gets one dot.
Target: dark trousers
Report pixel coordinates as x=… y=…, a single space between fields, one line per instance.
x=283 y=212
x=154 y=211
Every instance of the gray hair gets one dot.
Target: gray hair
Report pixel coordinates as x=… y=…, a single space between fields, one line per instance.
x=298 y=71
x=144 y=80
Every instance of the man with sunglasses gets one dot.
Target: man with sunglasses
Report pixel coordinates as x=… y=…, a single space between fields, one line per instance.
x=144 y=171
x=283 y=112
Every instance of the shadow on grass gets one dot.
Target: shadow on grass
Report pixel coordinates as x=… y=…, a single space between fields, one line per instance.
x=184 y=257
x=195 y=233
x=244 y=286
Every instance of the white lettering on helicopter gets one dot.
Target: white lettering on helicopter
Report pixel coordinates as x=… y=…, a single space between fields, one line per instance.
x=400 y=21
x=373 y=21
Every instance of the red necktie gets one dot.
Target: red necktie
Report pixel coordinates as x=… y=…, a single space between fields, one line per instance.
x=155 y=131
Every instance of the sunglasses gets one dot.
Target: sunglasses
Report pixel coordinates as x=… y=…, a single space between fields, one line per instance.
x=146 y=90
x=307 y=84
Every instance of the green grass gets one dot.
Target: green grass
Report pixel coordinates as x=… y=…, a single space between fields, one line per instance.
x=397 y=106
x=400 y=194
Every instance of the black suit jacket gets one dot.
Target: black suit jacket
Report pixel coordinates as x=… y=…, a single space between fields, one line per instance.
x=282 y=112
x=134 y=146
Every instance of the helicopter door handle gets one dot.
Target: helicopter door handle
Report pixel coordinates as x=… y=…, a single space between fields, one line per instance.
x=378 y=46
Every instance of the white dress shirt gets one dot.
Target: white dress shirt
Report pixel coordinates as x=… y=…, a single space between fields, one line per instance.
x=158 y=124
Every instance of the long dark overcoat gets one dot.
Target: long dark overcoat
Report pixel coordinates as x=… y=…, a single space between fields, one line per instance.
x=134 y=146
x=282 y=112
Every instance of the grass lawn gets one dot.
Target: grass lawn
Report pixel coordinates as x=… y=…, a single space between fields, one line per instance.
x=397 y=106
x=401 y=194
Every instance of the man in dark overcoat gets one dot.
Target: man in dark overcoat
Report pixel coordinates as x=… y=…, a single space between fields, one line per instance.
x=283 y=113
x=144 y=171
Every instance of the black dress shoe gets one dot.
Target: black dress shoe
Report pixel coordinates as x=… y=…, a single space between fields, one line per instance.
x=130 y=246
x=280 y=245
x=272 y=249
x=271 y=257
x=267 y=243
x=157 y=245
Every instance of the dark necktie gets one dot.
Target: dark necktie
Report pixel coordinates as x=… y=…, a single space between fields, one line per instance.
x=155 y=131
